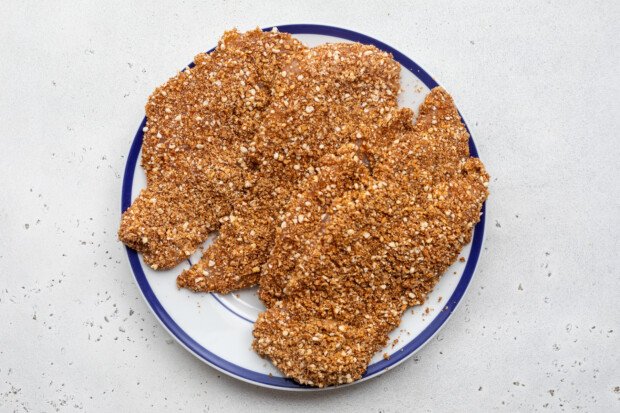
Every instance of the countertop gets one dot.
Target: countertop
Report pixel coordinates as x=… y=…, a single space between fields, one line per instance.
x=537 y=82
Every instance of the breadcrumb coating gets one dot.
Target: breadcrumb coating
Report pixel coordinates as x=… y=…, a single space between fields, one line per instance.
x=228 y=141
x=322 y=190
x=337 y=286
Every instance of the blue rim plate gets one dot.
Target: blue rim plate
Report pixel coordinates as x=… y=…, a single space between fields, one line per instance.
x=261 y=379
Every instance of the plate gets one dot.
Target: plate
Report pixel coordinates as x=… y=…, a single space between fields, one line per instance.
x=217 y=328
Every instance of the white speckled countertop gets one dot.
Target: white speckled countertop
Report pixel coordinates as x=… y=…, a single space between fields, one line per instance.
x=538 y=84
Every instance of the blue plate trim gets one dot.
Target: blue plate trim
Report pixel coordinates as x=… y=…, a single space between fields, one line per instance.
x=279 y=382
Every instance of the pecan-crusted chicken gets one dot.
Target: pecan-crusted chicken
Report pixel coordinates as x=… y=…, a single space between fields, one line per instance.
x=228 y=141
x=322 y=190
x=337 y=284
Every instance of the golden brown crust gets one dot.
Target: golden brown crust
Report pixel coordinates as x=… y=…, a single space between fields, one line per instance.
x=322 y=190
x=307 y=213
x=228 y=140
x=382 y=250
x=197 y=121
x=322 y=99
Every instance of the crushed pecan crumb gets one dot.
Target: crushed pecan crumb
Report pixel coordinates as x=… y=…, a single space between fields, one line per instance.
x=322 y=190
x=419 y=198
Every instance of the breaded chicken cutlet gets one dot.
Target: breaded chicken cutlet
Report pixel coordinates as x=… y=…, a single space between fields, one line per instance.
x=323 y=192
x=357 y=248
x=228 y=140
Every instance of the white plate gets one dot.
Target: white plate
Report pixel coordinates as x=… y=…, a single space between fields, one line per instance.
x=218 y=328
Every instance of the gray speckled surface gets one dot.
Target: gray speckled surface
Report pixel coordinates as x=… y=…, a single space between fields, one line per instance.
x=538 y=83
